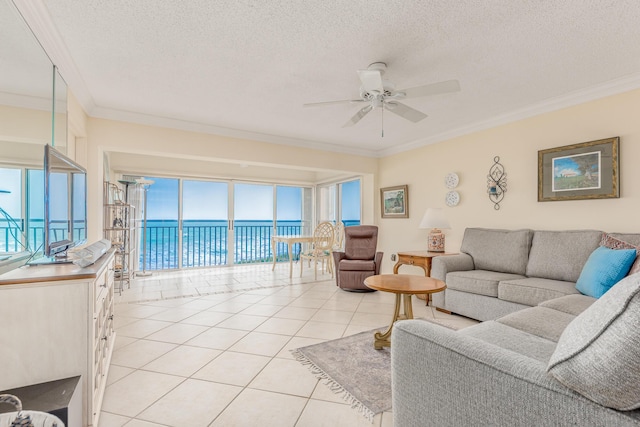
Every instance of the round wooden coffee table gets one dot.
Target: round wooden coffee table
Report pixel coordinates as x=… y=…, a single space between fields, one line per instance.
x=404 y=286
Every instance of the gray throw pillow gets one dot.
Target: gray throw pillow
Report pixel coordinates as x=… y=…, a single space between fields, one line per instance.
x=598 y=354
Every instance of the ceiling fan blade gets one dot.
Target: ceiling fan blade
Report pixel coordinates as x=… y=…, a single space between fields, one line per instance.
x=371 y=80
x=358 y=116
x=343 y=101
x=432 y=89
x=405 y=111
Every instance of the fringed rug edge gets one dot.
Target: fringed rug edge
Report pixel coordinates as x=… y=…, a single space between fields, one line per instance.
x=333 y=385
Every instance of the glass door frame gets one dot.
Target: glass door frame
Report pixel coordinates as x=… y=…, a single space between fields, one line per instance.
x=337 y=199
x=231 y=226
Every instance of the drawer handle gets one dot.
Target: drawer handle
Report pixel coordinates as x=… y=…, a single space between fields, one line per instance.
x=111 y=317
x=104 y=285
x=104 y=338
x=411 y=262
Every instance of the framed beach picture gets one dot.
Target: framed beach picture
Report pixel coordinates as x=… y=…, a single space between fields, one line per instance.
x=395 y=202
x=580 y=171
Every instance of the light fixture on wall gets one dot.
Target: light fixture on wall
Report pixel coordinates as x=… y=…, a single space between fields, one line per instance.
x=496 y=183
x=434 y=219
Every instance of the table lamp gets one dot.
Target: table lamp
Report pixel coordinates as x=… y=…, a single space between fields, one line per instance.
x=434 y=219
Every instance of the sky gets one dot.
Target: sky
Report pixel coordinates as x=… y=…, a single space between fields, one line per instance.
x=209 y=200
x=11 y=180
x=202 y=199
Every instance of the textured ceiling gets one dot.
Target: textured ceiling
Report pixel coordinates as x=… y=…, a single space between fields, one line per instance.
x=245 y=67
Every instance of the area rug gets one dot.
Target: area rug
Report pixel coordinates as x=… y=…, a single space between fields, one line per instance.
x=352 y=368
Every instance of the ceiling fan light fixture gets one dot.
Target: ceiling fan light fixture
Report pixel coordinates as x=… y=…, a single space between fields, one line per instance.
x=381 y=93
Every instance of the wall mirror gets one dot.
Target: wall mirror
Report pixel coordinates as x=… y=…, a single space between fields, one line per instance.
x=33 y=113
x=28 y=84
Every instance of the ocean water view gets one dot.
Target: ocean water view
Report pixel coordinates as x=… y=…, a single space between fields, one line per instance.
x=205 y=242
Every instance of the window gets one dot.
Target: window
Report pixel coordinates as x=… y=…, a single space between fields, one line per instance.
x=11 y=219
x=341 y=200
x=18 y=231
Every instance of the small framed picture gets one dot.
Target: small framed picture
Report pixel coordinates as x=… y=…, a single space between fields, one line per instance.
x=395 y=202
x=580 y=171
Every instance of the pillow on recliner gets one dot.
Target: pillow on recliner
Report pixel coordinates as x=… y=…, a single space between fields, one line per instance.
x=598 y=353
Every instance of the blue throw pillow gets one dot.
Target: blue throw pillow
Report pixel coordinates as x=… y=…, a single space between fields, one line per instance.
x=604 y=268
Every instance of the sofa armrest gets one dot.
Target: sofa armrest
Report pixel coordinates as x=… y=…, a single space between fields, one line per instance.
x=378 y=261
x=443 y=378
x=442 y=265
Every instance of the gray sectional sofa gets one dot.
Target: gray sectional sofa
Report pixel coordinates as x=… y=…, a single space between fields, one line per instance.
x=545 y=354
x=502 y=271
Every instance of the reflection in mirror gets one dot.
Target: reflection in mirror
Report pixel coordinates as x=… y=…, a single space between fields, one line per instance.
x=11 y=223
x=27 y=123
x=59 y=123
x=26 y=91
x=65 y=202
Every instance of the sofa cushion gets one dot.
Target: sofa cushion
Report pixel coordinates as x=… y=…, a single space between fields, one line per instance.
x=612 y=242
x=633 y=238
x=560 y=255
x=598 y=354
x=357 y=265
x=512 y=339
x=540 y=321
x=480 y=282
x=604 y=268
x=498 y=250
x=571 y=304
x=532 y=291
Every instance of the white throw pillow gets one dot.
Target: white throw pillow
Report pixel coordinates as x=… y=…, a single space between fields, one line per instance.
x=598 y=353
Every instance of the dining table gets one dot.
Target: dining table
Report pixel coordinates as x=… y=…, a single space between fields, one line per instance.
x=290 y=240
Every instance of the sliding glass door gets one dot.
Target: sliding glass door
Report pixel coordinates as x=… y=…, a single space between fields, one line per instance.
x=199 y=223
x=350 y=202
x=340 y=201
x=205 y=223
x=161 y=235
x=252 y=222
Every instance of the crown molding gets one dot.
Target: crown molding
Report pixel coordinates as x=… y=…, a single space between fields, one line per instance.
x=612 y=87
x=144 y=119
x=37 y=17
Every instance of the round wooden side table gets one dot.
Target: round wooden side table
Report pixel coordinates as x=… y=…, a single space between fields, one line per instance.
x=403 y=286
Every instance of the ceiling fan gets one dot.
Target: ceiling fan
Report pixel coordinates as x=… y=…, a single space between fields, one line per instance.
x=377 y=92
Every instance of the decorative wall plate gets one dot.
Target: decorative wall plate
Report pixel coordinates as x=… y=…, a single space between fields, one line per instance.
x=452 y=198
x=451 y=180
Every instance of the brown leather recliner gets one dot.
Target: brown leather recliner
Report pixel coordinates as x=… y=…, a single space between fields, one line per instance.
x=359 y=259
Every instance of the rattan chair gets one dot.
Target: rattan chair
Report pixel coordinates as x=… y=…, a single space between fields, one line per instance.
x=321 y=249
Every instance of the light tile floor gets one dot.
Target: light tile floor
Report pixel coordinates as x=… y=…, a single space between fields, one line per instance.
x=211 y=347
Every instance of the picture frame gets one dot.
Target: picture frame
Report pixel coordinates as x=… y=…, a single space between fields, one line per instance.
x=394 y=202
x=588 y=170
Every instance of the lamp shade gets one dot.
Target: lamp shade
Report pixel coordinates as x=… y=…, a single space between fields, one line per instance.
x=434 y=218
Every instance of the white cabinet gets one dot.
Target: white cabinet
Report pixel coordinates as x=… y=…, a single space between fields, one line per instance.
x=56 y=321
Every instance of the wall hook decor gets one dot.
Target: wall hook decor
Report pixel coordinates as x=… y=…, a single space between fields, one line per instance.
x=496 y=183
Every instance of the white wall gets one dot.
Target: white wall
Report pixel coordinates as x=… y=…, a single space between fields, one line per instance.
x=517 y=144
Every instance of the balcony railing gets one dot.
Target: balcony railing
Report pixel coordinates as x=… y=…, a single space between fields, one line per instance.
x=11 y=236
x=206 y=245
